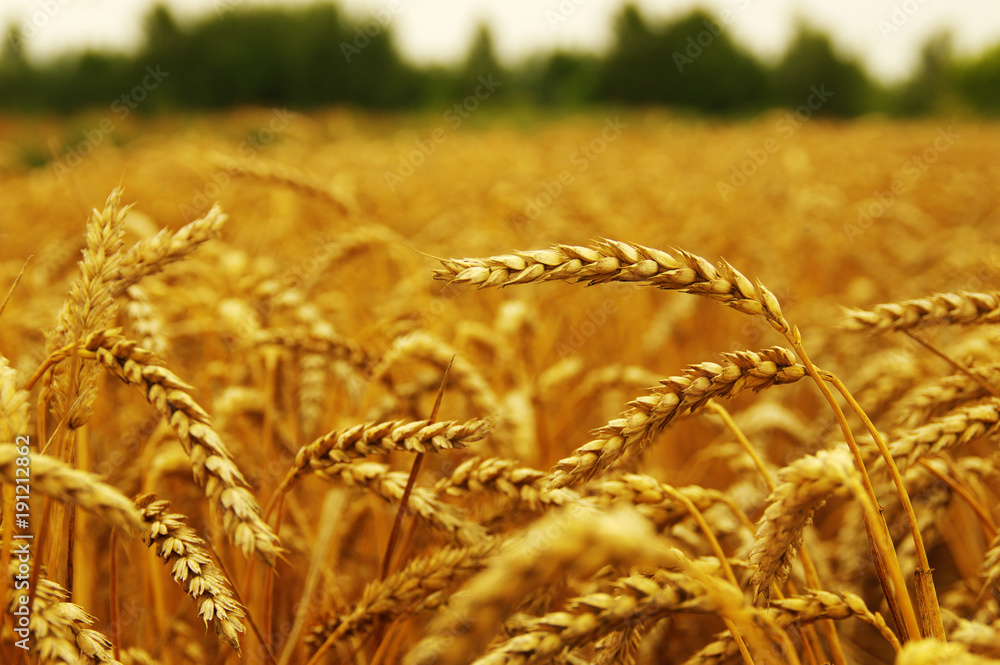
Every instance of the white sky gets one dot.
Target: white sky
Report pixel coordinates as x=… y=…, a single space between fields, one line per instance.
x=441 y=30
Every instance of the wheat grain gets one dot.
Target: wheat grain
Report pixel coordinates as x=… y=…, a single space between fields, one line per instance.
x=796 y=611
x=89 y=307
x=964 y=308
x=54 y=478
x=341 y=446
x=211 y=462
x=806 y=484
x=59 y=630
x=507 y=477
x=13 y=404
x=957 y=428
x=612 y=260
x=933 y=652
x=422 y=584
x=657 y=501
x=638 y=600
x=192 y=567
x=940 y=397
x=146 y=321
x=151 y=255
x=979 y=638
x=390 y=485
x=619 y=648
x=990 y=571
x=573 y=541
x=463 y=375
x=677 y=396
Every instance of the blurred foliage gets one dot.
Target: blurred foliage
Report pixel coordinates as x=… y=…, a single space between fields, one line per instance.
x=310 y=56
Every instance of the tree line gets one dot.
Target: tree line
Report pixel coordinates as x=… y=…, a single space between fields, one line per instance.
x=315 y=55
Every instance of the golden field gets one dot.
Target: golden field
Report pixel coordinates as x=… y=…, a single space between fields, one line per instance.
x=269 y=366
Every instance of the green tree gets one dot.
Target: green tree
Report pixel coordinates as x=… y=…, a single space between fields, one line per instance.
x=932 y=88
x=811 y=63
x=690 y=62
x=979 y=82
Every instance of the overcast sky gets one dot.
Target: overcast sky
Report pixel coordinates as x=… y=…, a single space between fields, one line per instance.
x=885 y=35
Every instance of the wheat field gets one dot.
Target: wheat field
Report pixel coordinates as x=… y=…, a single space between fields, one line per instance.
x=343 y=388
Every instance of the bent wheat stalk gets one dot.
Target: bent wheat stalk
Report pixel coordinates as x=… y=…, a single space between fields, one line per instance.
x=53 y=477
x=211 y=462
x=806 y=484
x=616 y=261
x=192 y=567
x=638 y=600
x=610 y=260
x=677 y=396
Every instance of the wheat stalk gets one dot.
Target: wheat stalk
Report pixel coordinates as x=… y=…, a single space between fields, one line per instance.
x=151 y=255
x=211 y=462
x=638 y=600
x=805 y=485
x=613 y=260
x=56 y=479
x=192 y=567
x=964 y=308
x=59 y=630
x=677 y=396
